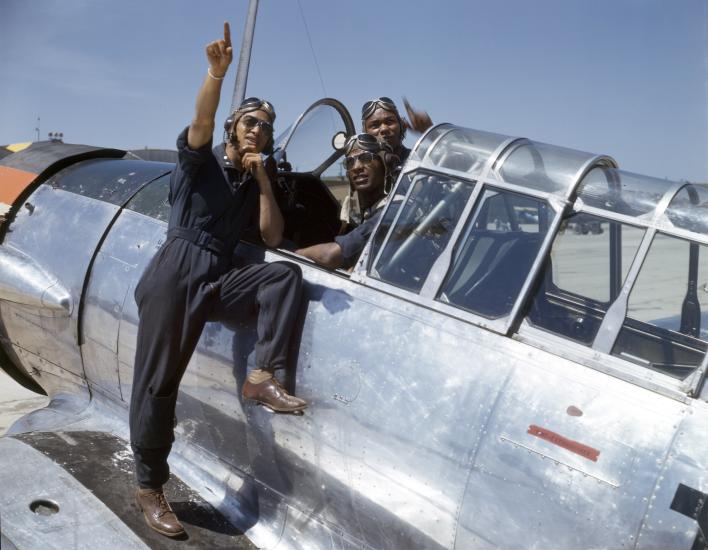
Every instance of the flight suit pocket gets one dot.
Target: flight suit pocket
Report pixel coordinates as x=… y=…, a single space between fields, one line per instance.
x=157 y=422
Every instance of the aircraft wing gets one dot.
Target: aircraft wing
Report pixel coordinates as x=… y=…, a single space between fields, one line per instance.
x=74 y=488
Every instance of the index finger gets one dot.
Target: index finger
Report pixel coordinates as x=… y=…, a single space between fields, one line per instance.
x=227 y=34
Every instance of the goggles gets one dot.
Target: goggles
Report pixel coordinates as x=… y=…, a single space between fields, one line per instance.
x=385 y=103
x=365 y=158
x=367 y=142
x=251 y=122
x=257 y=104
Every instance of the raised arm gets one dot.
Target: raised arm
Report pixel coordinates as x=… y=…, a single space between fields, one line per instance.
x=219 y=55
x=418 y=121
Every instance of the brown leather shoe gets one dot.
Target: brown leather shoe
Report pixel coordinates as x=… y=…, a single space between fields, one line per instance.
x=271 y=394
x=158 y=512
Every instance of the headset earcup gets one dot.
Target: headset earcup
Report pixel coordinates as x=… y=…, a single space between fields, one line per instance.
x=391 y=161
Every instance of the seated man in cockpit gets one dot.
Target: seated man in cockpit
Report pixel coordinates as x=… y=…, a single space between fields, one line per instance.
x=380 y=118
x=369 y=162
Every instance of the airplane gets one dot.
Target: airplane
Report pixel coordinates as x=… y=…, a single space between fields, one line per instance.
x=487 y=376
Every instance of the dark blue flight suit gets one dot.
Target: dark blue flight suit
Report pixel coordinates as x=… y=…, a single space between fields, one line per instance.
x=191 y=280
x=403 y=153
x=353 y=243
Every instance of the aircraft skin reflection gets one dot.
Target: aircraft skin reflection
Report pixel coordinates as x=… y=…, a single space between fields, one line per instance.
x=484 y=377
x=26 y=283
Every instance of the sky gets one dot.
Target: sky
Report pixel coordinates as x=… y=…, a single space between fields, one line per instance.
x=627 y=78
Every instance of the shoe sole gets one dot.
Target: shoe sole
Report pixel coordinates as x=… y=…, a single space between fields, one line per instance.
x=151 y=526
x=271 y=411
x=274 y=409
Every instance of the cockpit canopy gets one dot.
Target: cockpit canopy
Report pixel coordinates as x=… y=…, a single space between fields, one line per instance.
x=551 y=243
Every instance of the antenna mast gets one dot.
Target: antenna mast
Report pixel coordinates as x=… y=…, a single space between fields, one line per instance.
x=244 y=57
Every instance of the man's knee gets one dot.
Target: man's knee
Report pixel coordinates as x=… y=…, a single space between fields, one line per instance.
x=288 y=271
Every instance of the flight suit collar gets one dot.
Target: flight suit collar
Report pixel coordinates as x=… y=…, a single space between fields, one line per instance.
x=232 y=175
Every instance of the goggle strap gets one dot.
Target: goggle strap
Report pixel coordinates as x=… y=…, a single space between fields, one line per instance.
x=254 y=104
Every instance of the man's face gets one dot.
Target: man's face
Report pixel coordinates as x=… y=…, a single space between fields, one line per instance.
x=252 y=138
x=366 y=173
x=384 y=124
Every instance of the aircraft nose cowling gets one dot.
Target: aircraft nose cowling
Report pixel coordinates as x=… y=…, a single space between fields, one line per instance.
x=24 y=281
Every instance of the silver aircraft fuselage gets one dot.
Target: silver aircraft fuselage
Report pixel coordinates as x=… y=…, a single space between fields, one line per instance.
x=516 y=361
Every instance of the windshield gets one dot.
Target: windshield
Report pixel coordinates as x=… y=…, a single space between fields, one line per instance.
x=308 y=143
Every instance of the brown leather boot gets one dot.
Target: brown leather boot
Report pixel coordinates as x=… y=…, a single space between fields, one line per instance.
x=158 y=512
x=270 y=393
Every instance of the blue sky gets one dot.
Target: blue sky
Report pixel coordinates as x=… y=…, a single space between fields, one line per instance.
x=628 y=78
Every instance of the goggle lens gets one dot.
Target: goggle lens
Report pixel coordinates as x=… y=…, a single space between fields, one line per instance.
x=251 y=122
x=364 y=158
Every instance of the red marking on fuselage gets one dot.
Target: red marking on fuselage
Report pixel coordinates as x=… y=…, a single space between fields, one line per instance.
x=568 y=444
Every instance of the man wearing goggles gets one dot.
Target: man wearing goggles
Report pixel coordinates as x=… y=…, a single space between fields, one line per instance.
x=246 y=119
x=368 y=161
x=214 y=195
x=380 y=118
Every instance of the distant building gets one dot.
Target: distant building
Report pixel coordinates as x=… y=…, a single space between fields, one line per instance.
x=159 y=155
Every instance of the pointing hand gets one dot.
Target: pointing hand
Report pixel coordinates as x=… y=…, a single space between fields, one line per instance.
x=220 y=53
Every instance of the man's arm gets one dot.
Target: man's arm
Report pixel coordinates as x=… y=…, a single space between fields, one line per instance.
x=345 y=250
x=326 y=254
x=270 y=219
x=419 y=121
x=219 y=54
